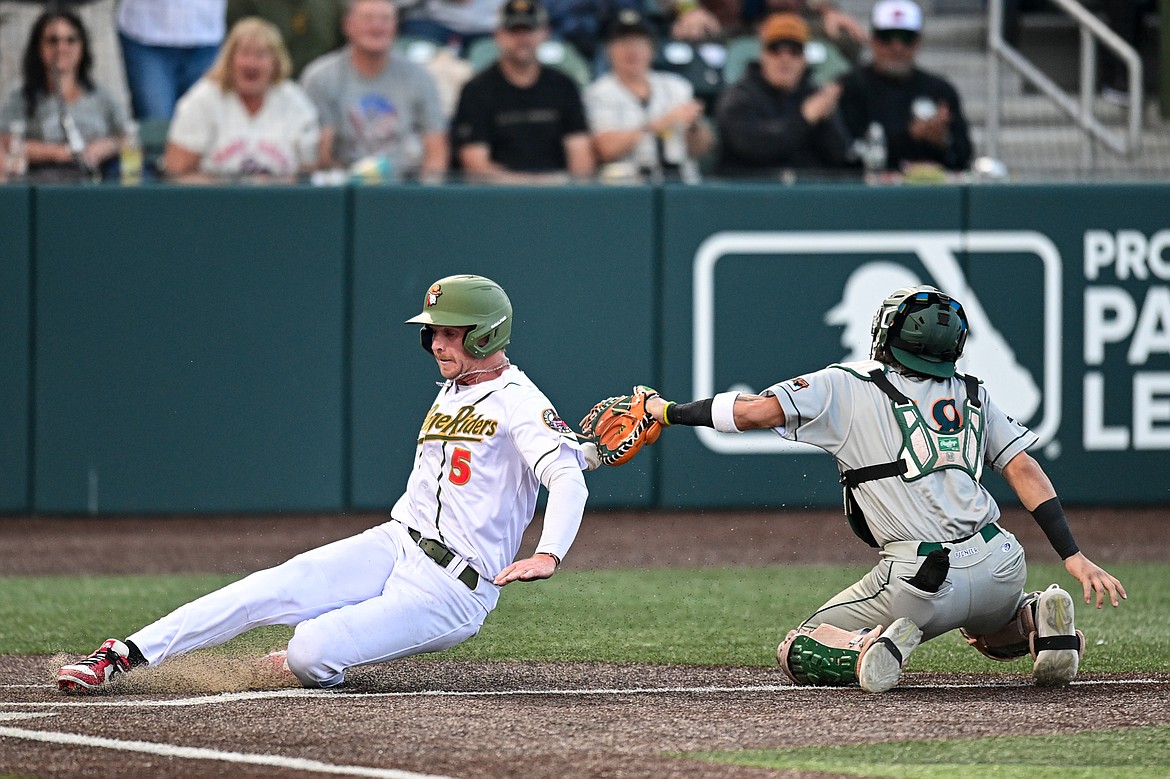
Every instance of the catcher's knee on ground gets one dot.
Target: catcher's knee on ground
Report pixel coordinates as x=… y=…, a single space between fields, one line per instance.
x=1043 y=624
x=829 y=656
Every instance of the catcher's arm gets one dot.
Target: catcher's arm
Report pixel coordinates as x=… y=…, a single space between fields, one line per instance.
x=1031 y=484
x=727 y=412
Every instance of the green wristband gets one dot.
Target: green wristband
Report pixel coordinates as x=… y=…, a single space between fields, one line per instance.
x=666 y=412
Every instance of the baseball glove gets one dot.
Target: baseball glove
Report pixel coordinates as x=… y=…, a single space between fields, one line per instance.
x=620 y=426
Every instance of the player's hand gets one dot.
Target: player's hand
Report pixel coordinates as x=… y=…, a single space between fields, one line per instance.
x=656 y=406
x=540 y=566
x=1094 y=578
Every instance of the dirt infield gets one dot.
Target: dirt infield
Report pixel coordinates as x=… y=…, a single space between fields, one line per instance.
x=466 y=719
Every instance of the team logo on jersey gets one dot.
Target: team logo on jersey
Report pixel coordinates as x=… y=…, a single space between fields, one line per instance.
x=557 y=424
x=464 y=425
x=796 y=385
x=433 y=296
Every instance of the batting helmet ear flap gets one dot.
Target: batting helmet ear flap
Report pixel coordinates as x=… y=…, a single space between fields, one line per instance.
x=426 y=336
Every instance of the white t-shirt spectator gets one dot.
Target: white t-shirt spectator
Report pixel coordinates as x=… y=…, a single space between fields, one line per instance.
x=280 y=140
x=178 y=23
x=610 y=106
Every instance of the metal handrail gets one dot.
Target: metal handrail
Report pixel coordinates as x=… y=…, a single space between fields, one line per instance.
x=1092 y=31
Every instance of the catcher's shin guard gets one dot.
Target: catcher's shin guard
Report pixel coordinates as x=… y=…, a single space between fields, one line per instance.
x=830 y=656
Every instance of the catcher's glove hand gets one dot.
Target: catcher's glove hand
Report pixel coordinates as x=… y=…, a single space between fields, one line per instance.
x=620 y=426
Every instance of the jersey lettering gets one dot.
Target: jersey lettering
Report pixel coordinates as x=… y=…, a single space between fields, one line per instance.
x=464 y=425
x=946 y=416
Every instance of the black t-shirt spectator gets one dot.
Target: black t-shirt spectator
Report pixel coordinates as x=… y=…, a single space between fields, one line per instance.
x=871 y=97
x=524 y=128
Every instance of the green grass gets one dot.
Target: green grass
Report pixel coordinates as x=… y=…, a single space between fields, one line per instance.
x=723 y=616
x=1132 y=753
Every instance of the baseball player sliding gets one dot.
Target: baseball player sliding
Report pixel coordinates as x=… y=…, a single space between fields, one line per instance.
x=911 y=438
x=425 y=580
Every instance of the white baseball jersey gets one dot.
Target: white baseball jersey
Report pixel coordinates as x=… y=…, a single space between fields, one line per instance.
x=482 y=451
x=841 y=410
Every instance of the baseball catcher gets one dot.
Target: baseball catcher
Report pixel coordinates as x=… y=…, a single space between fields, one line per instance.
x=912 y=438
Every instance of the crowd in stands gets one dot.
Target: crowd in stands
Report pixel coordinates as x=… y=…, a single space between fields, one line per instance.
x=522 y=91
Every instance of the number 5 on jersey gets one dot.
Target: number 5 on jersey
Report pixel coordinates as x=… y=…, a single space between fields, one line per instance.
x=460 y=466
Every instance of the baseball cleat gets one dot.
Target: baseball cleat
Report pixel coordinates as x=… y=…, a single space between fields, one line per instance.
x=110 y=659
x=1056 y=644
x=881 y=664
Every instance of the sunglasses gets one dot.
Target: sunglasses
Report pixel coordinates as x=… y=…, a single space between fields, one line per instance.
x=795 y=48
x=905 y=37
x=57 y=40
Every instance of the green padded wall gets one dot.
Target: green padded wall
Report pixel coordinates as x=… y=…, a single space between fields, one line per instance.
x=190 y=349
x=14 y=348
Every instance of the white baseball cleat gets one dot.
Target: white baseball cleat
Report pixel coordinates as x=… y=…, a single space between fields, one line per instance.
x=110 y=659
x=881 y=663
x=1056 y=644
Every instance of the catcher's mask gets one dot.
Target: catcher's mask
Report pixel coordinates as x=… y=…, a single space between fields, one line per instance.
x=920 y=328
x=467 y=301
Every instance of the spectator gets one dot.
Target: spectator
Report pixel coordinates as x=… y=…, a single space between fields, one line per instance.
x=374 y=102
x=72 y=125
x=644 y=122
x=920 y=112
x=245 y=118
x=309 y=28
x=17 y=17
x=518 y=121
x=774 y=119
x=167 y=46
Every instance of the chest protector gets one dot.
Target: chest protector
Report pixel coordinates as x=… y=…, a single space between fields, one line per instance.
x=924 y=449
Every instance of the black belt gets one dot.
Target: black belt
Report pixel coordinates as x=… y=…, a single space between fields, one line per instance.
x=439 y=552
x=989 y=532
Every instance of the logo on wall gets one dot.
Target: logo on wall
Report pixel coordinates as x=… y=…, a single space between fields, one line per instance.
x=871 y=270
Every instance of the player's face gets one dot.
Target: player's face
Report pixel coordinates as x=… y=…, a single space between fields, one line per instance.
x=452 y=357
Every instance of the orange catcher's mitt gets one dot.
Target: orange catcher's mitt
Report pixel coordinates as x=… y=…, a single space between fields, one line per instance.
x=620 y=426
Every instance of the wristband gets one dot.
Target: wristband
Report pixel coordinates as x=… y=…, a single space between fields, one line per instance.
x=723 y=412
x=1050 y=517
x=697 y=413
x=665 y=411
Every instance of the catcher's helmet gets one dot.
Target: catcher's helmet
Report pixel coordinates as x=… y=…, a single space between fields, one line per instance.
x=467 y=301
x=920 y=328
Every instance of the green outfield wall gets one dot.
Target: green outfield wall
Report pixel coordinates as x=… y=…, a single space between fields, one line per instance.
x=185 y=350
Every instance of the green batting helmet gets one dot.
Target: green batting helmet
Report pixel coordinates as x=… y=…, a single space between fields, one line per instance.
x=920 y=328
x=467 y=301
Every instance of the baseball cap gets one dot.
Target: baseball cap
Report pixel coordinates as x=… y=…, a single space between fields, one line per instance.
x=523 y=13
x=629 y=22
x=897 y=15
x=783 y=27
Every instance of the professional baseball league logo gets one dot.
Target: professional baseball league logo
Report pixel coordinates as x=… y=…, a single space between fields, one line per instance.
x=815 y=294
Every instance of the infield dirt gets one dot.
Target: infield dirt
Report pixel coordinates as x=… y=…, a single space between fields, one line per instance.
x=567 y=723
